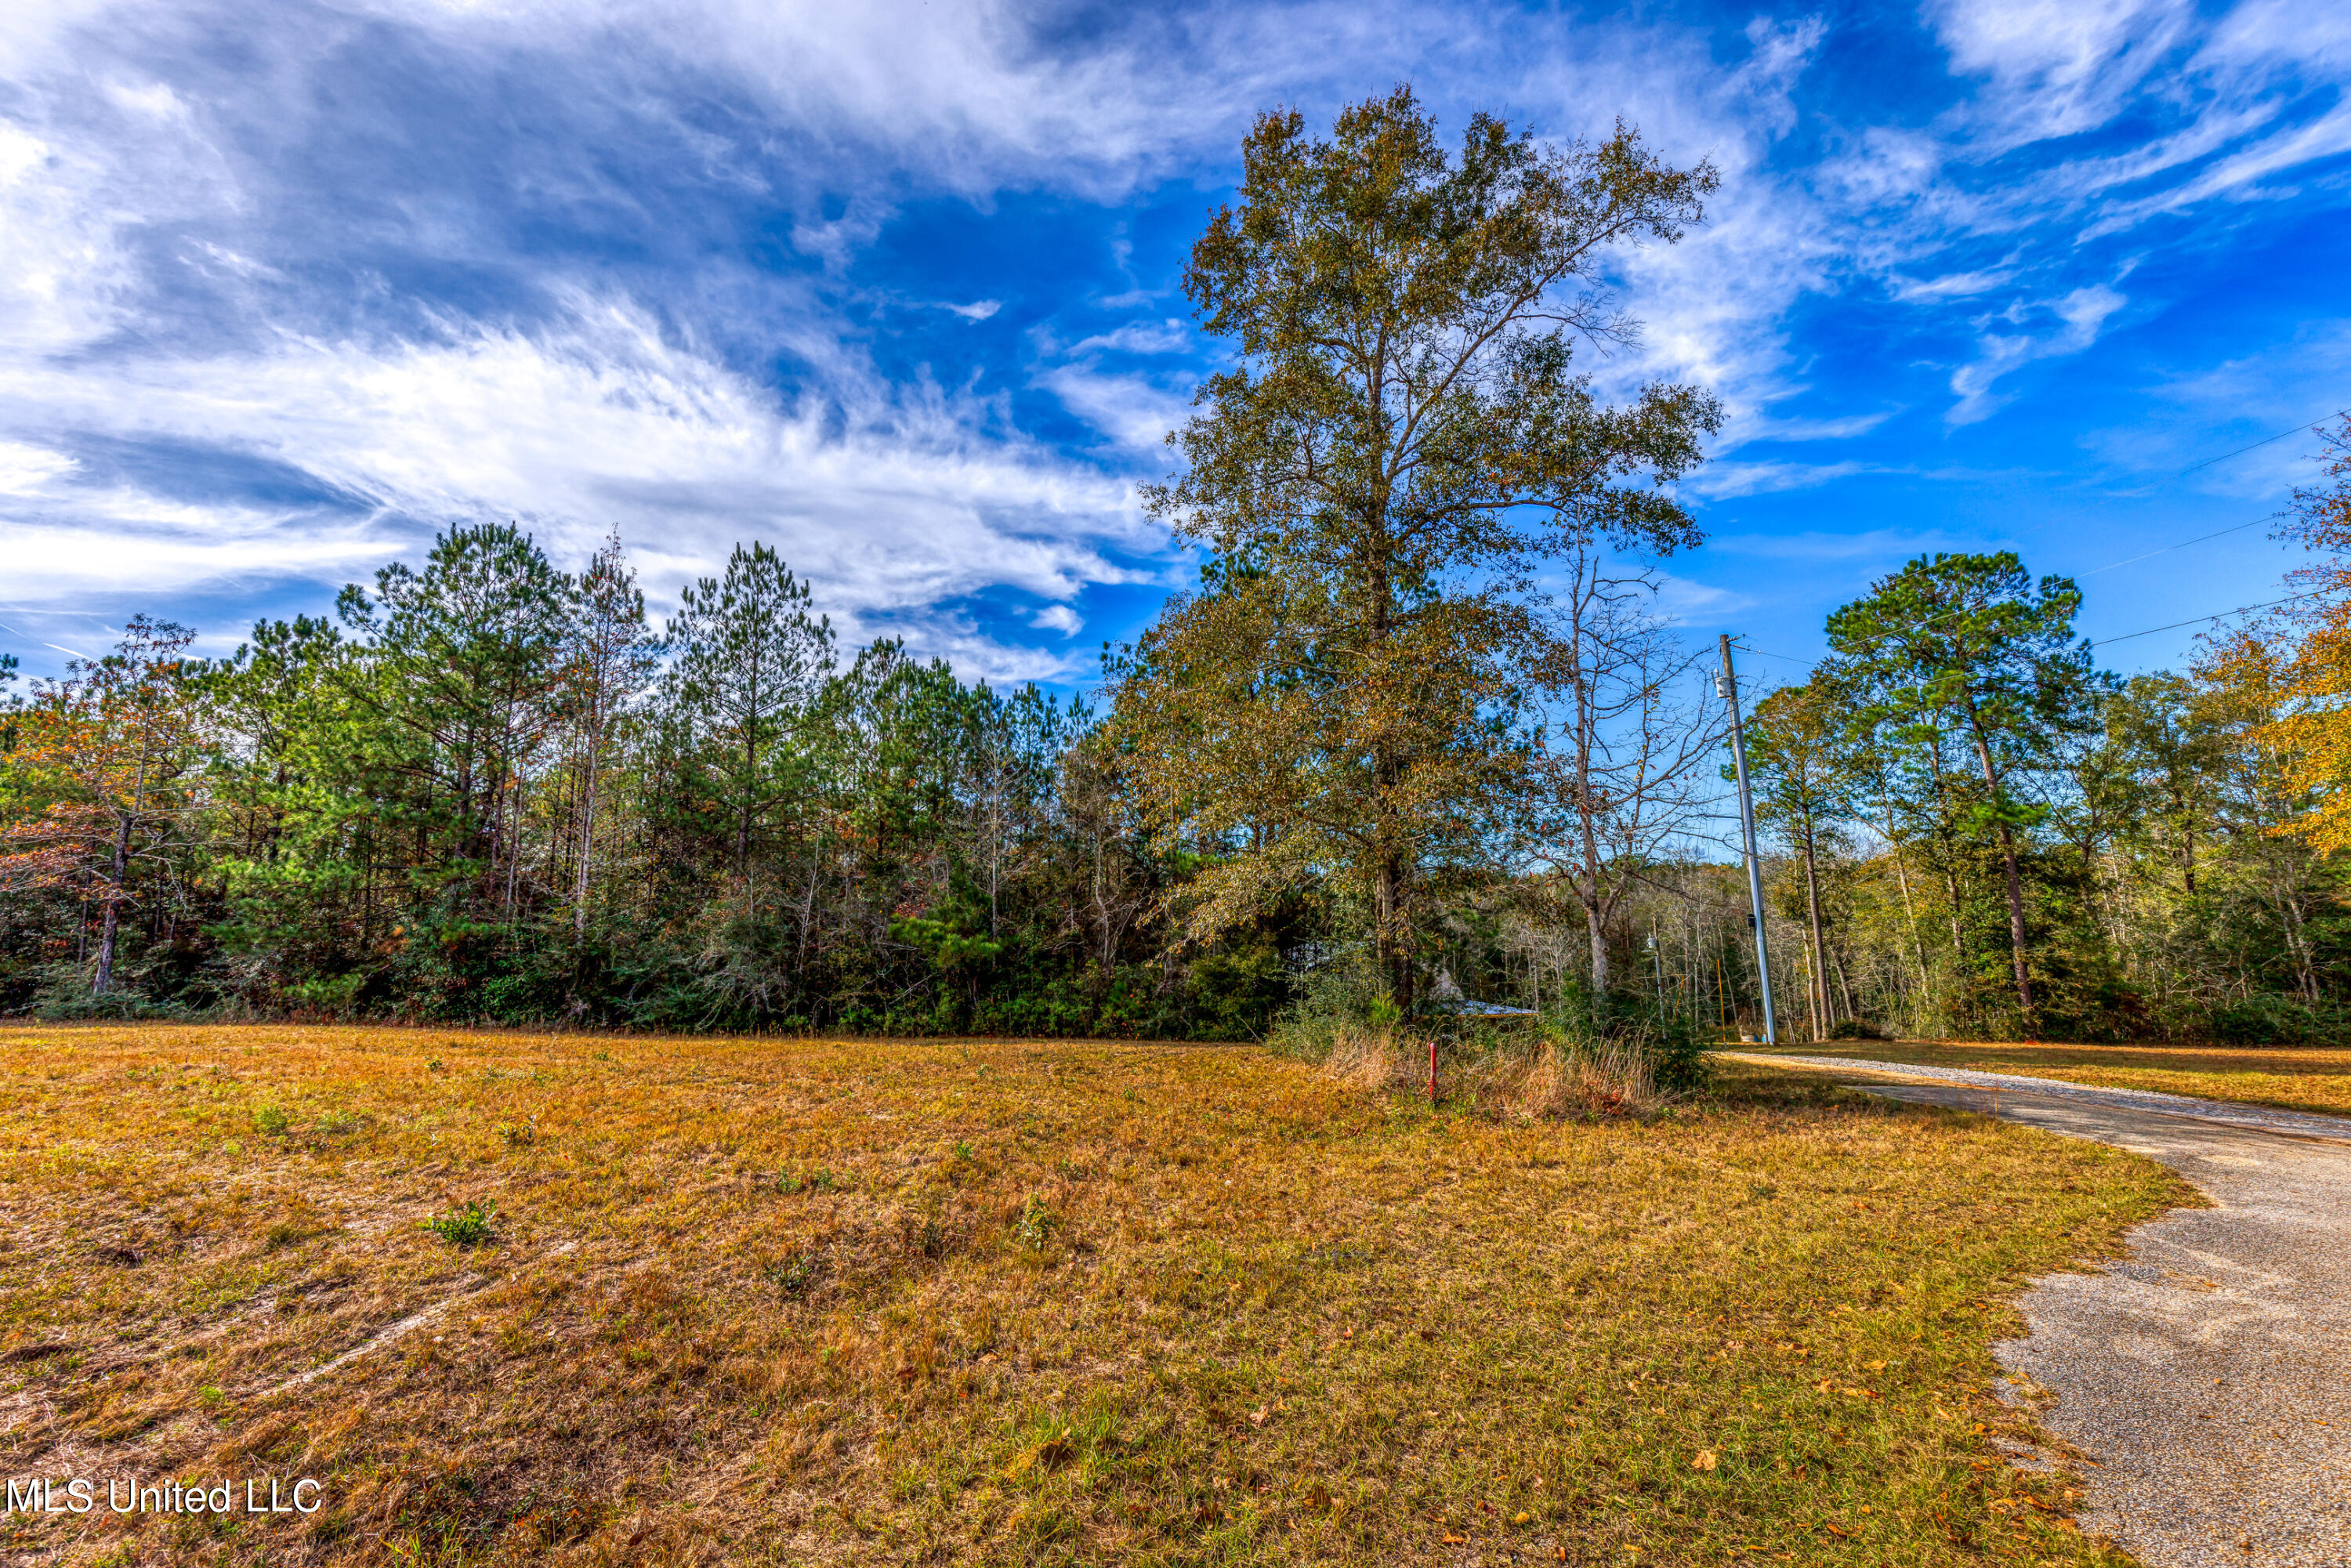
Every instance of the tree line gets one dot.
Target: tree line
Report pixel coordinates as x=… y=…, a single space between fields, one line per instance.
x=487 y=788
x=1985 y=834
x=1420 y=734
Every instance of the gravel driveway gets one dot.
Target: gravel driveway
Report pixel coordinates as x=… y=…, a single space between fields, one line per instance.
x=2208 y=1374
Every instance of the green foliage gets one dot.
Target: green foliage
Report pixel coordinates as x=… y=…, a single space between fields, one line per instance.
x=1400 y=443
x=1338 y=994
x=2268 y=1019
x=1963 y=673
x=1037 y=1224
x=796 y=1274
x=466 y=1225
x=1669 y=1042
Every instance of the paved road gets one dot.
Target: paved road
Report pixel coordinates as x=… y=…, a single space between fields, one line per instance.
x=2210 y=1372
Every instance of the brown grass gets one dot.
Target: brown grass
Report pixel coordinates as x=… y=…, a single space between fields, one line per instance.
x=996 y=1302
x=1524 y=1079
x=2297 y=1079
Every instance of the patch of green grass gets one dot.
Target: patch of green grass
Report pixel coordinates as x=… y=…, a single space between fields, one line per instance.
x=1037 y=1222
x=465 y=1225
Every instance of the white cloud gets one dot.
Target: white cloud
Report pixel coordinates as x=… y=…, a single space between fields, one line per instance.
x=94 y=548
x=1723 y=481
x=1844 y=427
x=1168 y=336
x=2080 y=315
x=1132 y=410
x=2217 y=438
x=27 y=470
x=1871 y=544
x=892 y=504
x=2057 y=67
x=1950 y=285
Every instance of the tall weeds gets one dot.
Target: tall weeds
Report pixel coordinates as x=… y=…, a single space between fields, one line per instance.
x=1526 y=1078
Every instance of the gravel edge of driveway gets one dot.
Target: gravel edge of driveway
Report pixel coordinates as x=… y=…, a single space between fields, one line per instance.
x=2225 y=1113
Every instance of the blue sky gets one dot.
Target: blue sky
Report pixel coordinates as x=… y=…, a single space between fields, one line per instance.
x=287 y=287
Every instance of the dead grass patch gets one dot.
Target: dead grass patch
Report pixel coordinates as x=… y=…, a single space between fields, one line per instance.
x=1002 y=1301
x=1522 y=1078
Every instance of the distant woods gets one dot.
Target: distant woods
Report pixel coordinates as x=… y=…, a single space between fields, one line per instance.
x=1986 y=834
x=1420 y=734
x=489 y=789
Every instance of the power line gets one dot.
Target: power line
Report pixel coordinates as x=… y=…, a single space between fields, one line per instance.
x=2265 y=441
x=1766 y=654
x=2183 y=543
x=2223 y=615
x=2151 y=554
x=2176 y=625
x=2110 y=566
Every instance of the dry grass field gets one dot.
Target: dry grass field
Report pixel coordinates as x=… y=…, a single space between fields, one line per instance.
x=2297 y=1079
x=778 y=1301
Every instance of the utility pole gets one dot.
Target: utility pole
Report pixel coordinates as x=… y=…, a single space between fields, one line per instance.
x=1726 y=685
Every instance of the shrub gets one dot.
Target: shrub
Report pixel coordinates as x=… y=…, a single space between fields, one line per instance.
x=2267 y=1018
x=1335 y=1002
x=63 y=997
x=1604 y=1076
x=1858 y=1029
x=1668 y=1045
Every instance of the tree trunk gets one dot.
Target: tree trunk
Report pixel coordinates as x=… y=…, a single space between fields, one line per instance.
x=1951 y=887
x=108 y=922
x=1813 y=987
x=1820 y=996
x=1599 y=933
x=2305 y=973
x=808 y=904
x=514 y=847
x=1393 y=955
x=587 y=847
x=2016 y=940
x=1910 y=915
